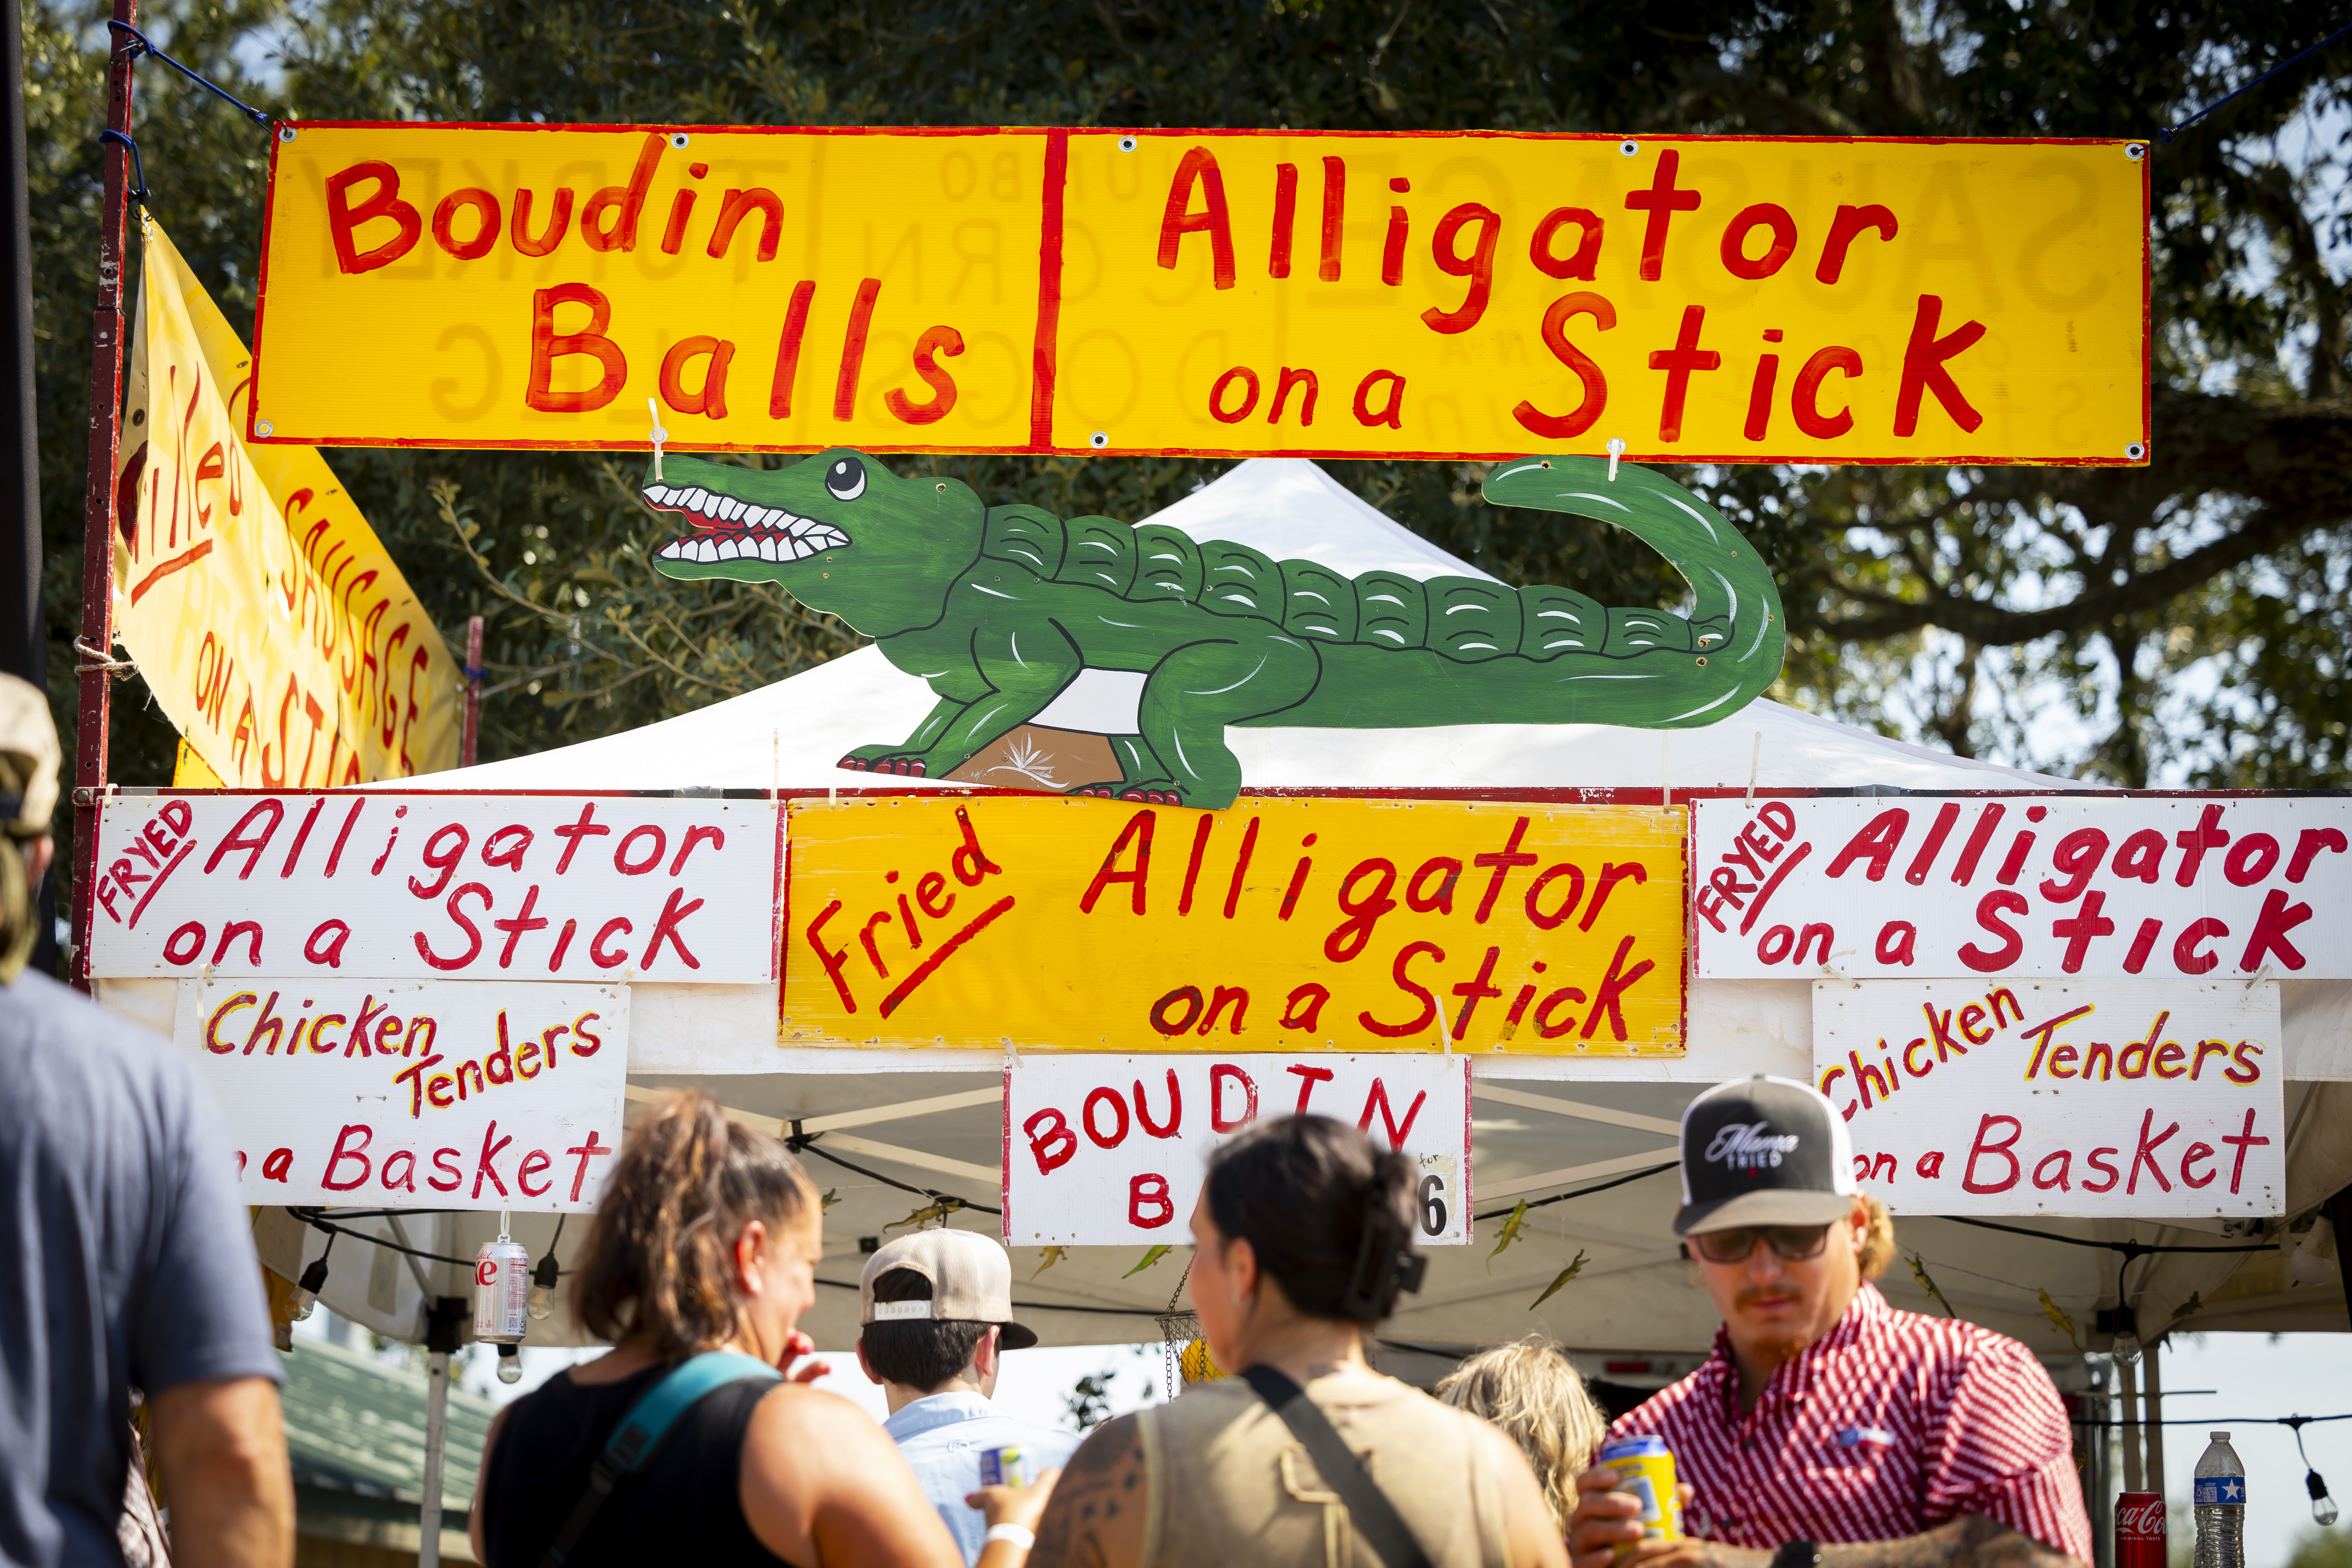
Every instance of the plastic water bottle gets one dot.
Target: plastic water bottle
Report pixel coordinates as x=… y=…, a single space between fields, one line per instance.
x=2220 y=1503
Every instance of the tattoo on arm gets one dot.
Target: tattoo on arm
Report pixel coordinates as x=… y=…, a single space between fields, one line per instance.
x=1103 y=1481
x=1972 y=1540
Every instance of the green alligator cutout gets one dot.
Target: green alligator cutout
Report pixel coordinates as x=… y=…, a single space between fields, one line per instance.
x=1000 y=608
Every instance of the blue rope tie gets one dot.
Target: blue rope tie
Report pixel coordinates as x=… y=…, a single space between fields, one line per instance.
x=141 y=46
x=2170 y=131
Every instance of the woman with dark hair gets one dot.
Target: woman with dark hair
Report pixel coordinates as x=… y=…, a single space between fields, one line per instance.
x=1302 y=1240
x=707 y=1239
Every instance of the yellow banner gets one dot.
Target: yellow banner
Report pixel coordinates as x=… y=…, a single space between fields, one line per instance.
x=1282 y=924
x=1463 y=295
x=273 y=629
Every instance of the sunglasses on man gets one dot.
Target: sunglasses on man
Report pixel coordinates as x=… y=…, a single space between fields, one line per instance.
x=1792 y=1243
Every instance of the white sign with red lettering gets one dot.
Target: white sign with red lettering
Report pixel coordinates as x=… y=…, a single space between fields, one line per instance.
x=2047 y=886
x=2105 y=1099
x=463 y=886
x=406 y=1094
x=1102 y=1149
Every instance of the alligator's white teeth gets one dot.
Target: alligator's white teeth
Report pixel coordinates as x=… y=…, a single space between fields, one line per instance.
x=797 y=526
x=656 y=495
x=705 y=551
x=668 y=551
x=768 y=547
x=828 y=537
x=727 y=550
x=768 y=516
x=803 y=549
x=695 y=499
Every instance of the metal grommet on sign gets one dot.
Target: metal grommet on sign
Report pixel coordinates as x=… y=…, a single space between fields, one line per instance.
x=1099 y=439
x=262 y=429
x=2135 y=451
x=2136 y=150
x=285 y=134
x=1629 y=148
x=1126 y=143
x=678 y=139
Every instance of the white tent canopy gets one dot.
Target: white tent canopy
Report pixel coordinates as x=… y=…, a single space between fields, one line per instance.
x=1595 y=1118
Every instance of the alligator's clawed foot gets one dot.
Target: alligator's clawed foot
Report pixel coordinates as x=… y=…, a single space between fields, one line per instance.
x=1151 y=792
x=902 y=767
x=1097 y=791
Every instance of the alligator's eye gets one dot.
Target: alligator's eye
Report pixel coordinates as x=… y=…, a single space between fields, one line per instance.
x=845 y=480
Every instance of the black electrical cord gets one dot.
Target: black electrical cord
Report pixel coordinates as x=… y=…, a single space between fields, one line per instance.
x=806 y=1143
x=1579 y=1193
x=2297 y=1422
x=2130 y=1249
x=310 y=1217
x=1047 y=1306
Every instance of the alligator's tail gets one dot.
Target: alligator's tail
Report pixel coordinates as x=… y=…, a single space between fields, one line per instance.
x=1639 y=667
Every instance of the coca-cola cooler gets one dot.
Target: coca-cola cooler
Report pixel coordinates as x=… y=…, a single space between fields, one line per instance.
x=2139 y=1530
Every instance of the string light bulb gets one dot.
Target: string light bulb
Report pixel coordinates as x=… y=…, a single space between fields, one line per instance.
x=543 y=1276
x=314 y=1279
x=2323 y=1506
x=510 y=1364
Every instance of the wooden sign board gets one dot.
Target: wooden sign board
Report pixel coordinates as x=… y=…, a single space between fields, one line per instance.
x=1289 y=924
x=408 y=1094
x=2049 y=886
x=1109 y=1149
x=1460 y=295
x=425 y=886
x=2103 y=1098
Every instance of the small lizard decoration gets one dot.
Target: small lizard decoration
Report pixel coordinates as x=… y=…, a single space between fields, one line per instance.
x=1001 y=608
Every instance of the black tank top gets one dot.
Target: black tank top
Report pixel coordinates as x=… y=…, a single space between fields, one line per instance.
x=687 y=1506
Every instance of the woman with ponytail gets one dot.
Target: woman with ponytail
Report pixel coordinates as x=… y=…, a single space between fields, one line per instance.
x=1301 y=1242
x=707 y=1238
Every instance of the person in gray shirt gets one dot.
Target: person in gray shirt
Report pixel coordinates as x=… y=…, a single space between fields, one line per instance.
x=126 y=1259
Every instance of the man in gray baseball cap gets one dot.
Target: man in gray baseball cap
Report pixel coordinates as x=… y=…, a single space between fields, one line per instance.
x=1826 y=1417
x=937 y=1310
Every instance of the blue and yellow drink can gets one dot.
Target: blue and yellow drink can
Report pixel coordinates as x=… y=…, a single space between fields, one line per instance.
x=1645 y=1467
x=1010 y=1466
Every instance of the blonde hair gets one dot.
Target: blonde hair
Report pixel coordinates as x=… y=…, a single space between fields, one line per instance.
x=659 y=1256
x=1877 y=1240
x=1531 y=1391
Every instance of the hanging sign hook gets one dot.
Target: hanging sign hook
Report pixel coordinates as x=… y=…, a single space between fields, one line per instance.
x=1616 y=450
x=658 y=436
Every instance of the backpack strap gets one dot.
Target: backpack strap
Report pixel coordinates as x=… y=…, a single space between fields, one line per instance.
x=1377 y=1523
x=643 y=1429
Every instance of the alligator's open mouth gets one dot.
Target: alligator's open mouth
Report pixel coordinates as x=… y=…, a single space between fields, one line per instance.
x=731 y=530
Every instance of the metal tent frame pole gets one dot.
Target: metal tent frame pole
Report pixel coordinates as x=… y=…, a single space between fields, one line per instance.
x=96 y=644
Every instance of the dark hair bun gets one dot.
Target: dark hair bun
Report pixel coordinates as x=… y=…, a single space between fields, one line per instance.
x=1328 y=1213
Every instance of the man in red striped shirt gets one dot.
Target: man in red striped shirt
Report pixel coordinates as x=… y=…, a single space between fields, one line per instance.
x=1829 y=1430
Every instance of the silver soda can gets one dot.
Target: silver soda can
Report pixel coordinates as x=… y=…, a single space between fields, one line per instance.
x=501 y=1292
x=1008 y=1466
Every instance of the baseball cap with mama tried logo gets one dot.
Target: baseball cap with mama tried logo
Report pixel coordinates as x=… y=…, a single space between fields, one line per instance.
x=1763 y=1151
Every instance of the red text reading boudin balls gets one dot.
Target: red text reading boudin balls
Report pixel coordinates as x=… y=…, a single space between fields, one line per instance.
x=371 y=226
x=1232 y=1105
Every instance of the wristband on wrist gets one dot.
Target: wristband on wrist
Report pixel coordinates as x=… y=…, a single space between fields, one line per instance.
x=1798 y=1555
x=1018 y=1534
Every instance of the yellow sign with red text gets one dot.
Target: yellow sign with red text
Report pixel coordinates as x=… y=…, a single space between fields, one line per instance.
x=1281 y=924
x=273 y=629
x=1459 y=295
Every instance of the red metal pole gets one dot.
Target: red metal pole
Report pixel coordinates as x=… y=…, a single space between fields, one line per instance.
x=98 y=502
x=473 y=692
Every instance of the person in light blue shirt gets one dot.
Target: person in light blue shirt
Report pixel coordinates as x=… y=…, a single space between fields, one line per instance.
x=937 y=1313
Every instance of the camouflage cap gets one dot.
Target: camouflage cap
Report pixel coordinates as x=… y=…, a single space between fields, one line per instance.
x=29 y=755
